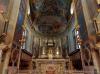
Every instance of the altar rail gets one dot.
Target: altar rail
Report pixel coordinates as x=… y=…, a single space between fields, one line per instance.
x=15 y=71
x=66 y=72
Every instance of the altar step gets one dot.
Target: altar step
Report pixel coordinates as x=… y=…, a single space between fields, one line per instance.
x=14 y=71
x=66 y=72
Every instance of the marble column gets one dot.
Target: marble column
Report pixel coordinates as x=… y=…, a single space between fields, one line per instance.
x=90 y=29
x=11 y=30
x=96 y=60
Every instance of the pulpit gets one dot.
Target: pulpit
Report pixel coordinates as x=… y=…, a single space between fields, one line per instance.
x=50 y=66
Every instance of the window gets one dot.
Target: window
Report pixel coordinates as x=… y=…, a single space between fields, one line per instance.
x=81 y=21
x=24 y=38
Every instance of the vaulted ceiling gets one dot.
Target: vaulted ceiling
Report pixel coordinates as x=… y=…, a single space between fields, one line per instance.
x=50 y=17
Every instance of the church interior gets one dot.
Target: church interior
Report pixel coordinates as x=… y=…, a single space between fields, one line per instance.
x=49 y=36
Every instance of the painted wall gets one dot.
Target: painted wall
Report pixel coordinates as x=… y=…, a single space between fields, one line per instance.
x=71 y=36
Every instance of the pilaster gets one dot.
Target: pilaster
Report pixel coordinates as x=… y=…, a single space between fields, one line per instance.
x=90 y=29
x=11 y=30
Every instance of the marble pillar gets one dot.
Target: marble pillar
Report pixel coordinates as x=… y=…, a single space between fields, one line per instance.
x=90 y=29
x=96 y=60
x=11 y=30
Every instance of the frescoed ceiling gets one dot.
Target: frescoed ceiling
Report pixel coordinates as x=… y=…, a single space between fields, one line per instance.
x=50 y=17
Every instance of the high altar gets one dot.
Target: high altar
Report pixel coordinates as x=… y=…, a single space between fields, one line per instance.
x=50 y=60
x=50 y=66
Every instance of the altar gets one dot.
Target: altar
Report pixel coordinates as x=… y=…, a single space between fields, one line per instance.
x=50 y=66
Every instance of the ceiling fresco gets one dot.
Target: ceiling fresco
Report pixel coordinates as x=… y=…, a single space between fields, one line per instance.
x=50 y=16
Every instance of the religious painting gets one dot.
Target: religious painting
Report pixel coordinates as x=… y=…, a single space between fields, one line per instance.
x=71 y=36
x=22 y=11
x=81 y=21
